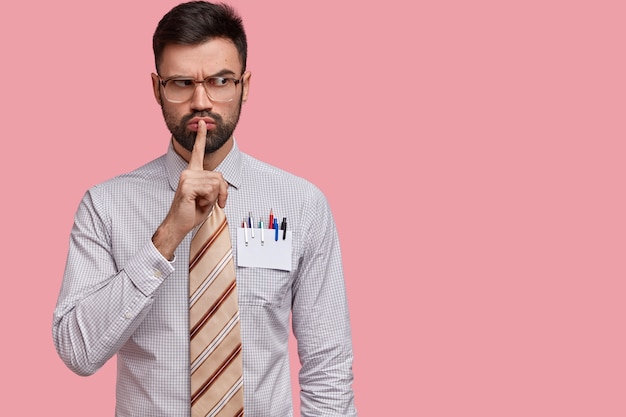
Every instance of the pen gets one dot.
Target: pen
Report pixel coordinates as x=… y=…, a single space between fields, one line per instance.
x=283 y=227
x=245 y=231
x=275 y=229
x=251 y=223
x=271 y=223
x=261 y=227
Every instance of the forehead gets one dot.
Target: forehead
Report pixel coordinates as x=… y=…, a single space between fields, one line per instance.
x=208 y=58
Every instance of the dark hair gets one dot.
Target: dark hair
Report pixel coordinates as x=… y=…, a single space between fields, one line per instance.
x=197 y=22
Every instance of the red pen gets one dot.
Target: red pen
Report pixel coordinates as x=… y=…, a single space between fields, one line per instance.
x=245 y=231
x=271 y=219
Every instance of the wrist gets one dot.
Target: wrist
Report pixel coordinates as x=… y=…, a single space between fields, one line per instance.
x=165 y=241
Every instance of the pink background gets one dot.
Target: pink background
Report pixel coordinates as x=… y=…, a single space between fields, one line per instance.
x=485 y=139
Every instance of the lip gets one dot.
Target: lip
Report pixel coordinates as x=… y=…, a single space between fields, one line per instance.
x=193 y=123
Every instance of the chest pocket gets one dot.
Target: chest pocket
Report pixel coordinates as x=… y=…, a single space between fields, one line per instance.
x=263 y=287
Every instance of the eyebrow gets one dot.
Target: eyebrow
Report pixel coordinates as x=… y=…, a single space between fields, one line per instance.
x=223 y=72
x=217 y=74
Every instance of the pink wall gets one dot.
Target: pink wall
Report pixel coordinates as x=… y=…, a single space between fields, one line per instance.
x=485 y=139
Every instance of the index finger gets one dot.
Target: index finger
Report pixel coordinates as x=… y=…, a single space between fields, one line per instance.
x=196 y=161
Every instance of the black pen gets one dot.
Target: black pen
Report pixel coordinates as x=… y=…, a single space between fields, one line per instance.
x=283 y=227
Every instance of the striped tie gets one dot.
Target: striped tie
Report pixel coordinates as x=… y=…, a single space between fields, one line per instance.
x=215 y=335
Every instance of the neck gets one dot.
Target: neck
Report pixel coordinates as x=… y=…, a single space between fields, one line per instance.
x=211 y=160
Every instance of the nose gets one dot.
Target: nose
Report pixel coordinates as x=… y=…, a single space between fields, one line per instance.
x=200 y=100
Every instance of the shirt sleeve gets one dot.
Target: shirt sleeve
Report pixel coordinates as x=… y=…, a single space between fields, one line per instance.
x=100 y=305
x=321 y=321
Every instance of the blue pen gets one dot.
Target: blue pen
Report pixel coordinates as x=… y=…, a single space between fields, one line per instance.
x=276 y=228
x=251 y=223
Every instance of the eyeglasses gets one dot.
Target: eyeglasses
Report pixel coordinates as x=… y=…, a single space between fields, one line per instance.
x=180 y=90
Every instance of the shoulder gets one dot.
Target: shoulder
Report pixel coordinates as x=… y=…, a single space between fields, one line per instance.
x=149 y=172
x=131 y=185
x=271 y=178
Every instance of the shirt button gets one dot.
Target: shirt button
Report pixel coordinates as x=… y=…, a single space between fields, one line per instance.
x=128 y=315
x=157 y=273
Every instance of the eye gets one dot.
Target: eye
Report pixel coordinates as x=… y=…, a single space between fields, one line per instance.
x=218 y=81
x=181 y=82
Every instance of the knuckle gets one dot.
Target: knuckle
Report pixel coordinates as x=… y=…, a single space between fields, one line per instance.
x=184 y=176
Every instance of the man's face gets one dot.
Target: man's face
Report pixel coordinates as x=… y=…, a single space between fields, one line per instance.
x=217 y=57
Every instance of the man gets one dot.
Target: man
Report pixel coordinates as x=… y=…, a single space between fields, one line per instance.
x=125 y=290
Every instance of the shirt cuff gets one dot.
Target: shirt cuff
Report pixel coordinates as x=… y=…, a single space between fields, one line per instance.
x=148 y=269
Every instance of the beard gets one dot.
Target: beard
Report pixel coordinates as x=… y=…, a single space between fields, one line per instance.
x=215 y=138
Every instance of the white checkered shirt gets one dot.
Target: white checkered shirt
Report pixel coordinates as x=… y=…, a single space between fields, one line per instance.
x=120 y=296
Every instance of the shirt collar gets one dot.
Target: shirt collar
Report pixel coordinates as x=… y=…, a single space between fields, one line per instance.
x=230 y=167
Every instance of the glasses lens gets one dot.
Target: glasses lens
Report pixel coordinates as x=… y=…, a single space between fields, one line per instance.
x=220 y=89
x=179 y=90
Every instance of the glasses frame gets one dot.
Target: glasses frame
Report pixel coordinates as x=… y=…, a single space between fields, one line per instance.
x=164 y=81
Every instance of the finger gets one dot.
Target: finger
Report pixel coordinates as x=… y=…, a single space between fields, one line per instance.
x=204 y=202
x=223 y=194
x=196 y=161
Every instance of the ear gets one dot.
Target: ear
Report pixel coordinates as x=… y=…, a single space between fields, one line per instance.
x=156 y=88
x=246 y=85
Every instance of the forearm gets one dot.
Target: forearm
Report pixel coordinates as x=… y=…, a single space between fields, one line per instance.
x=95 y=317
x=325 y=352
x=321 y=325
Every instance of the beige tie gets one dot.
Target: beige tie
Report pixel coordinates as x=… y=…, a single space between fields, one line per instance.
x=215 y=334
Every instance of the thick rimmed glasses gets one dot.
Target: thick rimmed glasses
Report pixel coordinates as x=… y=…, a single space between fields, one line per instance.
x=181 y=89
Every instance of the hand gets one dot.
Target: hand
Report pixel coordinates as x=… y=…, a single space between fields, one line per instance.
x=198 y=191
